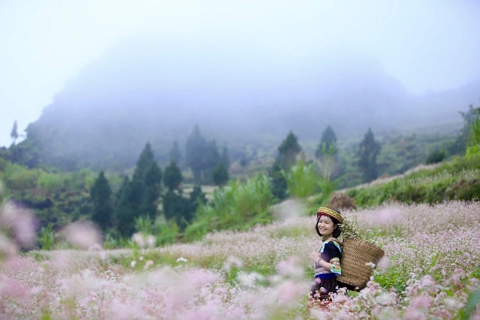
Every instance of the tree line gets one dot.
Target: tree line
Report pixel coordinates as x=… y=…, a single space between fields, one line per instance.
x=148 y=189
x=326 y=153
x=140 y=195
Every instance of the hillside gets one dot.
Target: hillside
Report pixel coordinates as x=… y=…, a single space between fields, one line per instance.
x=156 y=90
x=430 y=268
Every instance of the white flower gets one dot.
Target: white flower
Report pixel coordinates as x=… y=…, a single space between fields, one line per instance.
x=151 y=241
x=139 y=239
x=182 y=259
x=452 y=303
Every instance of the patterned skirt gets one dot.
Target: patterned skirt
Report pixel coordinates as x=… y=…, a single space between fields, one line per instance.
x=321 y=288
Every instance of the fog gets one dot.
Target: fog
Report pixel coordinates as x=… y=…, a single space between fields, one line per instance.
x=259 y=67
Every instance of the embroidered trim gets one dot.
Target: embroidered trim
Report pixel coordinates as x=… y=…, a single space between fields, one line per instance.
x=336 y=268
x=334 y=242
x=329 y=212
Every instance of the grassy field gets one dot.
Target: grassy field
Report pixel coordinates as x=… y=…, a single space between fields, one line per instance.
x=458 y=179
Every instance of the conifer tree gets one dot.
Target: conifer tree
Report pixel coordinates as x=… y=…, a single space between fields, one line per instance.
x=152 y=189
x=368 y=152
x=100 y=195
x=172 y=177
x=194 y=157
x=220 y=175
x=177 y=208
x=175 y=154
x=224 y=158
x=124 y=211
x=211 y=161
x=327 y=141
x=197 y=196
x=144 y=161
x=287 y=153
x=139 y=196
x=278 y=184
x=14 y=133
x=288 y=150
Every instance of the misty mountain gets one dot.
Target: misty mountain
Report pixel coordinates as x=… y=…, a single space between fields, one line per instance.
x=156 y=89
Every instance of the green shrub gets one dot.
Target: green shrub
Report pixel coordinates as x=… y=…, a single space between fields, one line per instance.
x=302 y=180
x=144 y=225
x=436 y=156
x=166 y=233
x=47 y=237
x=237 y=207
x=50 y=182
x=21 y=178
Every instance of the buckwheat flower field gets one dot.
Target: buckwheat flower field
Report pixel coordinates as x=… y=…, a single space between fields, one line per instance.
x=431 y=270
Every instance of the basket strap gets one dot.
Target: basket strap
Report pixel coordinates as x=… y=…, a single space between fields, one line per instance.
x=337 y=243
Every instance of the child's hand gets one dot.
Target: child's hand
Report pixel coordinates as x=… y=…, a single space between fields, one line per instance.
x=315 y=256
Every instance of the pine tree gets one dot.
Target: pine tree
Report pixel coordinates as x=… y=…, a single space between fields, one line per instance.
x=152 y=189
x=177 y=208
x=139 y=196
x=278 y=184
x=211 y=161
x=100 y=195
x=197 y=196
x=194 y=157
x=368 y=152
x=287 y=154
x=326 y=153
x=124 y=211
x=327 y=141
x=288 y=150
x=143 y=163
x=172 y=177
x=220 y=175
x=175 y=154
x=224 y=158
x=14 y=133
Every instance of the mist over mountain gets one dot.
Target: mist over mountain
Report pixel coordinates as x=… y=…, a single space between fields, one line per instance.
x=157 y=89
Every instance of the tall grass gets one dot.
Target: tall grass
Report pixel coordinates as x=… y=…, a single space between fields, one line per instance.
x=47 y=237
x=302 y=179
x=327 y=186
x=238 y=206
x=144 y=225
x=474 y=142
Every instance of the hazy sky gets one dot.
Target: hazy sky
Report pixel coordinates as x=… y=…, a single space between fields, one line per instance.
x=427 y=45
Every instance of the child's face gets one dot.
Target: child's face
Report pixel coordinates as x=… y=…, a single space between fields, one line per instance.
x=325 y=225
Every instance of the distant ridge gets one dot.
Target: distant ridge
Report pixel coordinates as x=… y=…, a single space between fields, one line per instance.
x=157 y=89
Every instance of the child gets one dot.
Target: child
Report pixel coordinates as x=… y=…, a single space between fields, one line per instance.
x=327 y=260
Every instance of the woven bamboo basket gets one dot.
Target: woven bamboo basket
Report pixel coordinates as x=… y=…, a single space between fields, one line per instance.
x=356 y=263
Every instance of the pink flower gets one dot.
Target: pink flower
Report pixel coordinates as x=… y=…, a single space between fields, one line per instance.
x=427 y=281
x=290 y=291
x=20 y=222
x=82 y=234
x=421 y=302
